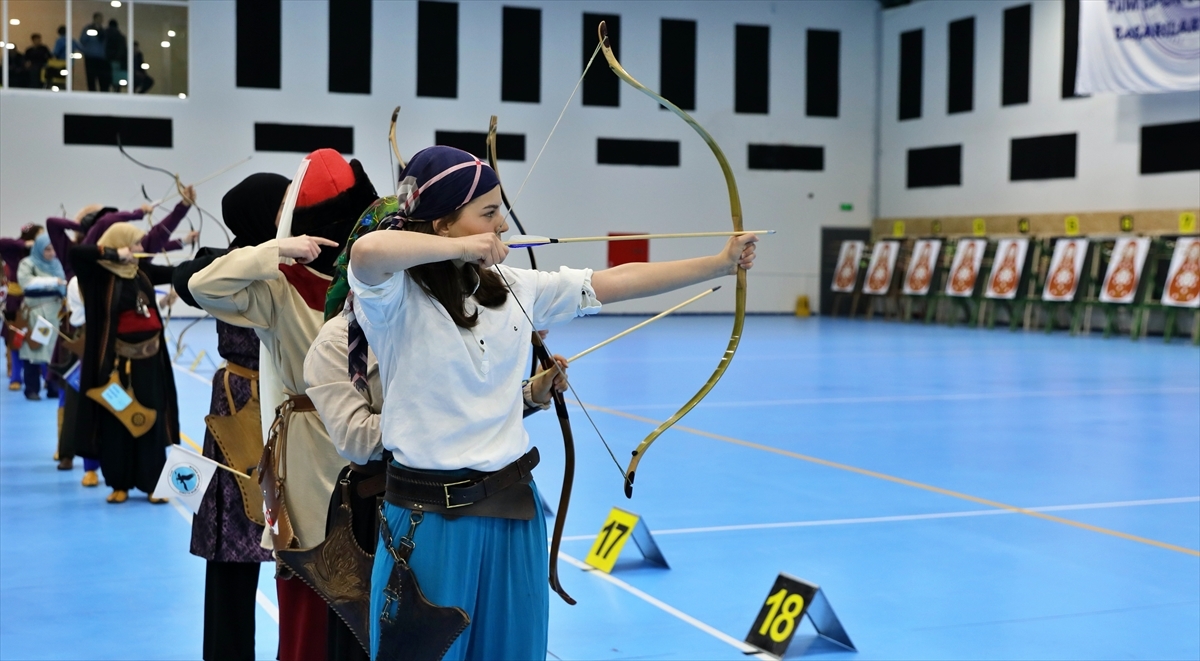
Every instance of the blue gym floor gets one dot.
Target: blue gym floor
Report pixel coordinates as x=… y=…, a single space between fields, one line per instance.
x=957 y=493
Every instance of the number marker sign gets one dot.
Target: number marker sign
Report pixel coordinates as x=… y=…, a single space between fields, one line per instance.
x=790 y=599
x=618 y=528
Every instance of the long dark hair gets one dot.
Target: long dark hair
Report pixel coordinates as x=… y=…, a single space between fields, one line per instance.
x=451 y=285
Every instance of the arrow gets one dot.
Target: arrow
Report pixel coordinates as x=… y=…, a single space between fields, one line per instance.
x=528 y=241
x=629 y=330
x=214 y=175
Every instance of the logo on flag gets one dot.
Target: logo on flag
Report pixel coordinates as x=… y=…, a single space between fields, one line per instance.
x=185 y=479
x=185 y=476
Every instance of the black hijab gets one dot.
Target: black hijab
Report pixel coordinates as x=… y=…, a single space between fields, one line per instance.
x=249 y=208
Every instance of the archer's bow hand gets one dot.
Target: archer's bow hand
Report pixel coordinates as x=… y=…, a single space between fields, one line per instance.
x=739 y=252
x=555 y=379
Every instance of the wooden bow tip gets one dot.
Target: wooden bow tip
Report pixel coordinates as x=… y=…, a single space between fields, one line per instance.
x=603 y=30
x=395 y=114
x=629 y=483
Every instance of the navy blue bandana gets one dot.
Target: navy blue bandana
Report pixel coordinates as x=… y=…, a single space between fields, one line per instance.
x=437 y=182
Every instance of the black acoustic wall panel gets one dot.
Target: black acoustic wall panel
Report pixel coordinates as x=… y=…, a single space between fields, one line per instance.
x=437 y=49
x=303 y=138
x=509 y=146
x=752 y=69
x=960 y=72
x=1165 y=147
x=912 y=48
x=350 y=46
x=1070 y=60
x=258 y=43
x=521 y=55
x=1014 y=77
x=104 y=129
x=935 y=166
x=601 y=87
x=822 y=65
x=616 y=151
x=677 y=62
x=785 y=157
x=1042 y=157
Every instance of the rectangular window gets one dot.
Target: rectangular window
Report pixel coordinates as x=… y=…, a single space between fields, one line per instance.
x=350 y=46
x=160 y=49
x=104 y=129
x=601 y=87
x=37 y=57
x=752 y=69
x=912 y=53
x=1042 y=157
x=509 y=146
x=822 y=64
x=521 y=55
x=615 y=151
x=960 y=75
x=437 y=49
x=785 y=157
x=258 y=43
x=303 y=138
x=1070 y=61
x=677 y=62
x=935 y=166
x=1014 y=79
x=1165 y=148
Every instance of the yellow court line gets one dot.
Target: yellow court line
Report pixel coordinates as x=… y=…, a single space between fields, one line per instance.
x=191 y=442
x=900 y=480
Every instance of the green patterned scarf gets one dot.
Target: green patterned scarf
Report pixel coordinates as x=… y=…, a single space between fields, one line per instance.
x=335 y=299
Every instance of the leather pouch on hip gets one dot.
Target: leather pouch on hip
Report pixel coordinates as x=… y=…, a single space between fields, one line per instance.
x=239 y=436
x=120 y=401
x=272 y=479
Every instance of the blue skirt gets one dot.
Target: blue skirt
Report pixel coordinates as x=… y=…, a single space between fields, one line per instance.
x=494 y=569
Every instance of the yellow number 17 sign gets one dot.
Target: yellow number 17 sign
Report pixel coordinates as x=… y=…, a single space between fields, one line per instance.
x=618 y=528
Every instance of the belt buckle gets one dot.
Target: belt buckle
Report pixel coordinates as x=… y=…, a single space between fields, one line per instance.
x=446 y=490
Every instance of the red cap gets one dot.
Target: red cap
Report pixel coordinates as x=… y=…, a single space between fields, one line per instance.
x=328 y=176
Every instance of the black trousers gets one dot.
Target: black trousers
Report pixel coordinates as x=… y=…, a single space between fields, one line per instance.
x=229 y=598
x=99 y=74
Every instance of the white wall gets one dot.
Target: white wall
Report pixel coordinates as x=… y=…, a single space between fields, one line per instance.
x=568 y=194
x=1108 y=126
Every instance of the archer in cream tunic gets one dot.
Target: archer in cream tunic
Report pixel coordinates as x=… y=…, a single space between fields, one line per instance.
x=284 y=305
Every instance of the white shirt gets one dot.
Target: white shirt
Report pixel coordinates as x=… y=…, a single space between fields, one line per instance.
x=75 y=303
x=452 y=396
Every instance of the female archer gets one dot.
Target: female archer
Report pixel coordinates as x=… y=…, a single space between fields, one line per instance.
x=450 y=326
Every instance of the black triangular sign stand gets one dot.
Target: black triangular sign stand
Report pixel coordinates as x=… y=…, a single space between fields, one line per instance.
x=788 y=602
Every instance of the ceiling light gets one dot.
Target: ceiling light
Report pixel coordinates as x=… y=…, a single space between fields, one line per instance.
x=76 y=56
x=14 y=21
x=54 y=88
x=115 y=3
x=170 y=33
x=122 y=82
x=92 y=32
x=63 y=72
x=182 y=95
x=166 y=44
x=145 y=67
x=10 y=45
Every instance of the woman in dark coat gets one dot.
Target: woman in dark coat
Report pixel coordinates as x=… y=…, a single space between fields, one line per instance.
x=222 y=533
x=125 y=334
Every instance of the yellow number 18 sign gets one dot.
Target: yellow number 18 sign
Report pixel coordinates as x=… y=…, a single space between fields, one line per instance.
x=789 y=600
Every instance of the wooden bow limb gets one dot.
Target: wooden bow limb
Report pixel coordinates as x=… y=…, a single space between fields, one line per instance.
x=629 y=330
x=214 y=175
x=529 y=241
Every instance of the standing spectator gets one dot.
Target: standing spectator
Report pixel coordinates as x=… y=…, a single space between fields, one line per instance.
x=117 y=52
x=60 y=44
x=36 y=57
x=13 y=251
x=95 y=58
x=142 y=82
x=44 y=285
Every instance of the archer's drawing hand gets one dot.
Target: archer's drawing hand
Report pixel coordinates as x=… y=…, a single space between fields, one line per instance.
x=146 y=208
x=303 y=248
x=485 y=249
x=739 y=252
x=191 y=238
x=125 y=255
x=189 y=196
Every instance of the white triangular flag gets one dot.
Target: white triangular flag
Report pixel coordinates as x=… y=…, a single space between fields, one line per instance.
x=185 y=476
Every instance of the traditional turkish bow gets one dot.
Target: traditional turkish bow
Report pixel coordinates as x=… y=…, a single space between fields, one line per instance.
x=735 y=211
x=542 y=356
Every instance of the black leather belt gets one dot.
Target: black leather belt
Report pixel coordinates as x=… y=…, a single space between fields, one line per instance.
x=429 y=492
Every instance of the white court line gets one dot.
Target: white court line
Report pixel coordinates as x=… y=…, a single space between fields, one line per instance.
x=262 y=599
x=951 y=397
x=745 y=648
x=907 y=517
x=201 y=379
